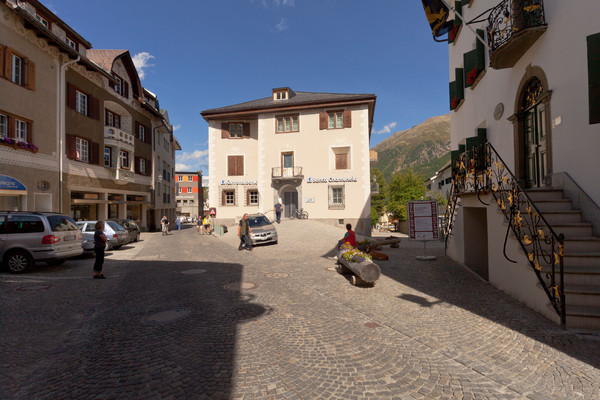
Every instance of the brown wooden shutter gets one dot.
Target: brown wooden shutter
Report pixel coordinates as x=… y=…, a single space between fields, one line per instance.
x=95 y=108
x=246 y=131
x=94 y=153
x=247 y=197
x=347 y=119
x=224 y=130
x=148 y=167
x=230 y=165
x=239 y=165
x=106 y=117
x=222 y=197
x=1 y=60
x=70 y=144
x=7 y=62
x=593 y=55
x=30 y=132
x=137 y=129
x=30 y=74
x=322 y=120
x=126 y=89
x=71 y=96
x=136 y=166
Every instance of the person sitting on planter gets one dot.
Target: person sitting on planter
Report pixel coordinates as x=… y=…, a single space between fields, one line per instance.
x=349 y=237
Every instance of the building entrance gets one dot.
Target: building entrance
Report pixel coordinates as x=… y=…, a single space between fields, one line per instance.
x=290 y=202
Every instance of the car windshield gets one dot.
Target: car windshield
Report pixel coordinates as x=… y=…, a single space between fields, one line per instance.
x=60 y=223
x=115 y=226
x=259 y=220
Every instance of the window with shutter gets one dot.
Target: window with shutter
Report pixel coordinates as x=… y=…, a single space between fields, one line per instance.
x=341 y=161
x=338 y=119
x=287 y=123
x=235 y=165
x=593 y=53
x=1 y=60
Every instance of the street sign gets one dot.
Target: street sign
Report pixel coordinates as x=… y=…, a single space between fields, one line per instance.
x=423 y=220
x=212 y=211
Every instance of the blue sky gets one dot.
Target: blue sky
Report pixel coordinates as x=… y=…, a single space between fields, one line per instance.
x=203 y=54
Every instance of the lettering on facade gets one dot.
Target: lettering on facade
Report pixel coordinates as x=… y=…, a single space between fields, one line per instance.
x=242 y=182
x=330 y=179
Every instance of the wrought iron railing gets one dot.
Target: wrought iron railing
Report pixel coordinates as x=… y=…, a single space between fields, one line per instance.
x=481 y=170
x=512 y=16
x=290 y=172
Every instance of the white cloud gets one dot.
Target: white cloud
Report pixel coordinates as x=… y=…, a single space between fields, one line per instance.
x=278 y=3
x=141 y=62
x=182 y=167
x=388 y=128
x=176 y=127
x=282 y=25
x=192 y=161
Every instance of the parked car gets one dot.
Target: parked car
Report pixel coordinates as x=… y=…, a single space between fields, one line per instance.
x=263 y=230
x=27 y=237
x=131 y=227
x=117 y=235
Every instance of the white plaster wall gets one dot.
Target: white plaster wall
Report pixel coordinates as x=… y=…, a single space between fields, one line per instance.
x=561 y=52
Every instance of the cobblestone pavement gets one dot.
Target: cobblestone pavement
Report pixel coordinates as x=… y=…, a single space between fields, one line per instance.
x=190 y=317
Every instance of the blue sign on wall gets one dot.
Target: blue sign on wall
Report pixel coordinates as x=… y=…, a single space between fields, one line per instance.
x=8 y=183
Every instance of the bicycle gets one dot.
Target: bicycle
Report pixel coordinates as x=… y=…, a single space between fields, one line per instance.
x=299 y=213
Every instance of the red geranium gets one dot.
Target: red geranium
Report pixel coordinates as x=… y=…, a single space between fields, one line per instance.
x=472 y=76
x=454 y=103
x=452 y=34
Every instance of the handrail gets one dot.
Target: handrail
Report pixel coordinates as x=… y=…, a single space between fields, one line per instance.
x=291 y=172
x=482 y=170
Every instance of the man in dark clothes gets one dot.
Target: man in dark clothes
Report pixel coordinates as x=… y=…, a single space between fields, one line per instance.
x=277 y=210
x=244 y=233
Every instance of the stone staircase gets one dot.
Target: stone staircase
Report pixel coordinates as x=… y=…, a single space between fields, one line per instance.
x=581 y=257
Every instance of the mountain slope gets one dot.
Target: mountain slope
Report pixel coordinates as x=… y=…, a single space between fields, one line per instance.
x=425 y=148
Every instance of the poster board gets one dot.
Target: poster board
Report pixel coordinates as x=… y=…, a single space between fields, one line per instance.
x=423 y=220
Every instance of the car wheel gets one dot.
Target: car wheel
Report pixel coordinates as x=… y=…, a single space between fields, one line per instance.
x=54 y=263
x=137 y=237
x=18 y=261
x=117 y=247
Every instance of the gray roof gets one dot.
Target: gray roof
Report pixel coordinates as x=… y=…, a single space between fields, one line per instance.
x=298 y=99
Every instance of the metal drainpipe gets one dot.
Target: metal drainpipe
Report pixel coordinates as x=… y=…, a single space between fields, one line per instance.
x=61 y=129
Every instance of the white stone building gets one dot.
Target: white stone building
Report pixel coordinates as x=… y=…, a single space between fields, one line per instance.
x=309 y=150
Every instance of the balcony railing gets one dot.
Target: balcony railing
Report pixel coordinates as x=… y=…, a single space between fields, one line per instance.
x=287 y=173
x=121 y=137
x=513 y=26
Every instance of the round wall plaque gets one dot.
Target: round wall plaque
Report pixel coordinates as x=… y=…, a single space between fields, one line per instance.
x=498 y=111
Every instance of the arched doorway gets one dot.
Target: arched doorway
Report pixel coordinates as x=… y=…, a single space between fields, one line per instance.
x=533 y=150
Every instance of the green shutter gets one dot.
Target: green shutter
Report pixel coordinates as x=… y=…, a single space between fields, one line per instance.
x=458 y=8
x=460 y=88
x=461 y=148
x=474 y=59
x=593 y=53
x=482 y=134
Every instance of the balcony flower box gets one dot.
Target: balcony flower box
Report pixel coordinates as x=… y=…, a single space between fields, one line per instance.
x=17 y=145
x=457 y=93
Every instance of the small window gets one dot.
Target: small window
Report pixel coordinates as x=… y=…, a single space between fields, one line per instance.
x=113 y=119
x=71 y=43
x=180 y=178
x=17 y=70
x=185 y=202
x=3 y=126
x=108 y=157
x=229 y=196
x=236 y=130
x=287 y=123
x=342 y=157
x=81 y=102
x=235 y=165
x=253 y=197
x=20 y=130
x=142 y=166
x=42 y=20
x=336 y=197
x=82 y=149
x=118 y=85
x=335 y=120
x=124 y=159
x=142 y=133
x=180 y=190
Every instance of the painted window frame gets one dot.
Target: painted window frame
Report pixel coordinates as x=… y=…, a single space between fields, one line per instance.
x=3 y=125
x=124 y=158
x=110 y=153
x=337 y=200
x=21 y=130
x=229 y=193
x=82 y=149
x=81 y=102
x=284 y=120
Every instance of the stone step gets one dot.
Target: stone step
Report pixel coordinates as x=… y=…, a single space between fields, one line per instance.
x=562 y=217
x=583 y=317
x=579 y=229
x=582 y=295
x=577 y=275
x=544 y=194
x=589 y=243
x=581 y=258
x=551 y=205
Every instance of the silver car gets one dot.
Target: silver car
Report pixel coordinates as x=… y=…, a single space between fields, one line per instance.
x=263 y=230
x=26 y=237
x=117 y=235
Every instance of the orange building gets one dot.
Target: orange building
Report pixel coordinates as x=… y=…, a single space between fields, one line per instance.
x=189 y=196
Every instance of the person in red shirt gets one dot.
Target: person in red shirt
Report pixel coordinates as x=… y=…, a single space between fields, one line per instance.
x=349 y=237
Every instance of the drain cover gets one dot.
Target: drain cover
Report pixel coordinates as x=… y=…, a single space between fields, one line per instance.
x=193 y=271
x=241 y=286
x=33 y=288
x=163 y=317
x=277 y=275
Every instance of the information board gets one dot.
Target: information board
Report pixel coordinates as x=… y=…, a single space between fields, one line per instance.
x=423 y=220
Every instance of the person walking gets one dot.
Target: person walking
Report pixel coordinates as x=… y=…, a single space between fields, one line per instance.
x=277 y=210
x=178 y=221
x=199 y=225
x=206 y=224
x=244 y=233
x=164 y=222
x=99 y=246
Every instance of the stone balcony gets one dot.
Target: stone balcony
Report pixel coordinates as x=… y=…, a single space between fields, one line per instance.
x=119 y=138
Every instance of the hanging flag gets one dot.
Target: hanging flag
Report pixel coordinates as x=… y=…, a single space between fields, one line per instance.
x=437 y=14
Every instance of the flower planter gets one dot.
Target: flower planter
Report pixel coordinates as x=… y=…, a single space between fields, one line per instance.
x=365 y=272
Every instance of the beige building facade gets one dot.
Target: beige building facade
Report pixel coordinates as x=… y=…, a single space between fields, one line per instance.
x=307 y=150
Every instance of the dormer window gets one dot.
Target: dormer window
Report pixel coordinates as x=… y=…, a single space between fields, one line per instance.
x=42 y=20
x=282 y=94
x=71 y=43
x=121 y=86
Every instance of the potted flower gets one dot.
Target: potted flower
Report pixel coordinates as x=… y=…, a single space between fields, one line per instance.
x=454 y=103
x=472 y=76
x=452 y=34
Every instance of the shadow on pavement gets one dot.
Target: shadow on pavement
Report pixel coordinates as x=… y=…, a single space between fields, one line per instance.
x=168 y=330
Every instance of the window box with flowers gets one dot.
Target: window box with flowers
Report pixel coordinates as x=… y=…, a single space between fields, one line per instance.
x=18 y=145
x=457 y=93
x=474 y=63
